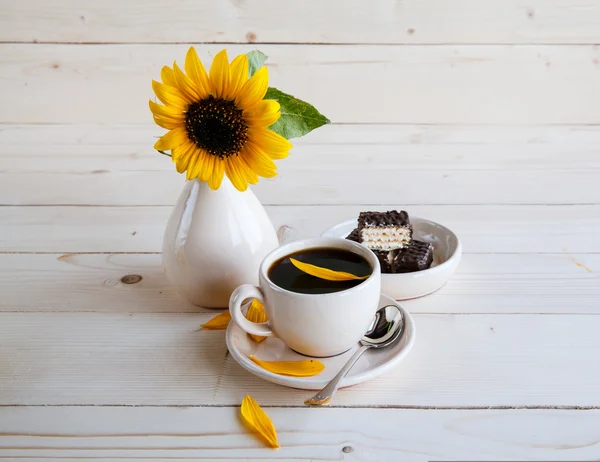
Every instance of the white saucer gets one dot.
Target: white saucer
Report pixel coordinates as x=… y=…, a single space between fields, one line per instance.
x=370 y=365
x=447 y=252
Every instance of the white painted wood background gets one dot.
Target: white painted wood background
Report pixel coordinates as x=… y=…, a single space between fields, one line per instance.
x=481 y=114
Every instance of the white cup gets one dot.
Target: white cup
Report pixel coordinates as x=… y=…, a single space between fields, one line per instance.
x=317 y=325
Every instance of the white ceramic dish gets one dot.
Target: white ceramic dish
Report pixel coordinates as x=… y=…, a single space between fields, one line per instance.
x=446 y=257
x=372 y=364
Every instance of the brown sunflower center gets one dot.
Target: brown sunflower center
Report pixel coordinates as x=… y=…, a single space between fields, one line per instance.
x=217 y=126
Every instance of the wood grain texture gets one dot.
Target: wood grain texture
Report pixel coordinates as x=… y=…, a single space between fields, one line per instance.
x=131 y=140
x=341 y=164
x=337 y=21
x=84 y=149
x=493 y=131
x=378 y=183
x=484 y=283
x=488 y=229
x=306 y=434
x=325 y=175
x=161 y=359
x=414 y=84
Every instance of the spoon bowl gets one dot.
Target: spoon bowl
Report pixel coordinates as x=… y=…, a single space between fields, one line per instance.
x=387 y=327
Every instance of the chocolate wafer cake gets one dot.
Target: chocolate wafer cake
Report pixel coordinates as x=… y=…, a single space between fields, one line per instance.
x=416 y=256
x=384 y=230
x=353 y=236
x=386 y=259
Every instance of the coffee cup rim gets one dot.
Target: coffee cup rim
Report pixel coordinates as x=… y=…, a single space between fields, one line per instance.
x=314 y=243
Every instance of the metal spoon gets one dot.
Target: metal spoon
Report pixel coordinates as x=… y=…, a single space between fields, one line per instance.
x=381 y=333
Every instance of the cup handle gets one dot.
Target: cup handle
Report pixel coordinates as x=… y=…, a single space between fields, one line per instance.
x=235 y=308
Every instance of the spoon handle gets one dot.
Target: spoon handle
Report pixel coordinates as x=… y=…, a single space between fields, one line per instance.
x=324 y=397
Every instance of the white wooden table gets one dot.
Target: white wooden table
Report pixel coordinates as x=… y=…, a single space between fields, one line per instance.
x=482 y=115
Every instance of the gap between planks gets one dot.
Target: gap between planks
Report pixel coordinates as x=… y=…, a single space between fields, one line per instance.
x=217 y=311
x=160 y=253
x=334 y=406
x=329 y=44
x=380 y=204
x=4 y=123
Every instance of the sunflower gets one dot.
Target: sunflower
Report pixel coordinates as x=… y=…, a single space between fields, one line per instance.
x=218 y=122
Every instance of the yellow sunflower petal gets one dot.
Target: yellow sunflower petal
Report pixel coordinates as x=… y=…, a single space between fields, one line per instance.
x=182 y=157
x=166 y=111
x=193 y=165
x=251 y=176
x=219 y=75
x=325 y=273
x=198 y=164
x=181 y=151
x=207 y=167
x=302 y=368
x=181 y=164
x=272 y=143
x=258 y=420
x=195 y=70
x=180 y=122
x=254 y=90
x=166 y=123
x=167 y=76
x=219 y=322
x=216 y=178
x=172 y=139
x=185 y=84
x=263 y=114
x=256 y=313
x=259 y=161
x=248 y=175
x=171 y=96
x=235 y=174
x=238 y=73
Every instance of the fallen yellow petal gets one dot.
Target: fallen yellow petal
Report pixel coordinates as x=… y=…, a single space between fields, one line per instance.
x=220 y=321
x=256 y=418
x=303 y=368
x=324 y=273
x=256 y=313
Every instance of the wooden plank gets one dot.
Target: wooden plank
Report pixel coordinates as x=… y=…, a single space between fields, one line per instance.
x=484 y=283
x=488 y=229
x=80 y=229
x=337 y=21
x=421 y=84
x=106 y=433
x=131 y=140
x=325 y=182
x=44 y=165
x=373 y=158
x=161 y=359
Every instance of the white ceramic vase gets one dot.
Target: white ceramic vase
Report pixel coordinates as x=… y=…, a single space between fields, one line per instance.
x=215 y=241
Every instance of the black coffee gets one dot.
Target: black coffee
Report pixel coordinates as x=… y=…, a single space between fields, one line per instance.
x=284 y=274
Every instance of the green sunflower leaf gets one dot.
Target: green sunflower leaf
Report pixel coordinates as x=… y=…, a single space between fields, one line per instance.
x=164 y=153
x=297 y=117
x=256 y=59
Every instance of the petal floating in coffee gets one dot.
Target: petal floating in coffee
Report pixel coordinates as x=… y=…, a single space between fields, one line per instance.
x=256 y=313
x=219 y=322
x=258 y=420
x=324 y=273
x=303 y=368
